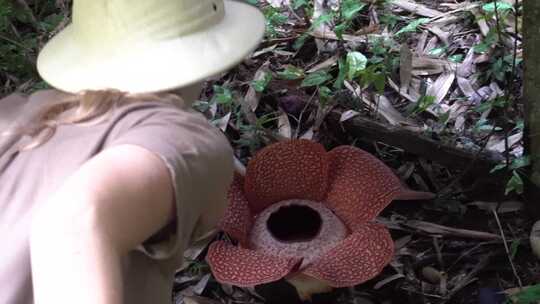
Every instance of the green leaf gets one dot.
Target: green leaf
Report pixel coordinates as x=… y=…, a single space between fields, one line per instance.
x=444 y=118
x=273 y=18
x=514 y=184
x=487 y=43
x=520 y=125
x=501 y=6
x=529 y=295
x=340 y=29
x=423 y=103
x=299 y=3
x=338 y=84
x=513 y=249
x=299 y=42
x=498 y=167
x=437 y=51
x=521 y=162
x=379 y=81
x=316 y=79
x=350 y=8
x=356 y=62
x=458 y=58
x=253 y=2
x=324 y=18
x=413 y=26
x=324 y=93
x=222 y=95
x=291 y=73
x=483 y=125
x=261 y=84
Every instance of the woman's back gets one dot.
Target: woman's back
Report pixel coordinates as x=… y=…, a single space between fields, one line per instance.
x=199 y=160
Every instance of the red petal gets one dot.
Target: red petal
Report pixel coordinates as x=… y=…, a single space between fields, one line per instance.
x=237 y=219
x=361 y=186
x=295 y=169
x=244 y=267
x=360 y=257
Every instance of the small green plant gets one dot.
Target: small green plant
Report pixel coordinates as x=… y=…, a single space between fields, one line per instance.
x=222 y=95
x=423 y=103
x=529 y=295
x=252 y=135
x=316 y=78
x=412 y=26
x=291 y=73
x=22 y=32
x=261 y=84
x=515 y=183
x=274 y=18
x=349 y=10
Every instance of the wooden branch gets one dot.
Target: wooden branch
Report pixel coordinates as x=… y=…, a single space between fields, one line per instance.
x=366 y=129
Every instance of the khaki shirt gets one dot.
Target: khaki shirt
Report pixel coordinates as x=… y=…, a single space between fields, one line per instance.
x=197 y=155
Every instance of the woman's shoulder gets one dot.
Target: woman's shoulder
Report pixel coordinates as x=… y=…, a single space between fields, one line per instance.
x=174 y=125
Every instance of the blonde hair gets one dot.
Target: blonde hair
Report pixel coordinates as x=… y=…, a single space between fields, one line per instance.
x=85 y=106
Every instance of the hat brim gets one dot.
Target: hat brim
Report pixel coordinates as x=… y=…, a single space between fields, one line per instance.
x=160 y=66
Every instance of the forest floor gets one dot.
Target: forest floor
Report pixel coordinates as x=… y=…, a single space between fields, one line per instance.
x=432 y=88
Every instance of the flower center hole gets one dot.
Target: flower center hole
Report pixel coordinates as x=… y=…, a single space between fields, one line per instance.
x=294 y=223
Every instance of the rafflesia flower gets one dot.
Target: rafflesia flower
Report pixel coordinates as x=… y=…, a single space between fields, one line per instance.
x=300 y=209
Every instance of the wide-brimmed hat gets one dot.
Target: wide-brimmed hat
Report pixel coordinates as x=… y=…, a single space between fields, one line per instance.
x=142 y=46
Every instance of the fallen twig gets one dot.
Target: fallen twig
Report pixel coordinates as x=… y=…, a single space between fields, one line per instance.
x=436 y=229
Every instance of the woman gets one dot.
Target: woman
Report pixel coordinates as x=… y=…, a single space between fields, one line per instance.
x=106 y=180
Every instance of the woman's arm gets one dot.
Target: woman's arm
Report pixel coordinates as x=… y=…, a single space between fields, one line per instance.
x=113 y=203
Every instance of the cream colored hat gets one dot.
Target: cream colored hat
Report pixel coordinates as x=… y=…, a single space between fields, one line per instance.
x=142 y=46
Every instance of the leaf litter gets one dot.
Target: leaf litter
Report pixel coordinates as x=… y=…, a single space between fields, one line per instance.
x=443 y=72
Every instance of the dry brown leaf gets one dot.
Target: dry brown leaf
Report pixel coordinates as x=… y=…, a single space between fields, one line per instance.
x=423 y=66
x=442 y=35
x=500 y=145
x=387 y=110
x=279 y=3
x=346 y=37
x=481 y=21
x=320 y=8
x=387 y=280
x=348 y=115
x=252 y=97
x=504 y=207
x=415 y=8
x=431 y=44
x=380 y=104
x=199 y=300
x=439 y=89
x=466 y=87
x=325 y=64
x=467 y=67
x=405 y=67
x=223 y=122
x=421 y=44
x=395 y=87
x=284 y=125
x=308 y=134
x=199 y=288
x=264 y=51
x=307 y=286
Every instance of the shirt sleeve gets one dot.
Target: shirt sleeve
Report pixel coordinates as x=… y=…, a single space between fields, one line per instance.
x=200 y=162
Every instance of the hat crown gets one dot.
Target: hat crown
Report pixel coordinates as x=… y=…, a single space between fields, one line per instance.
x=118 y=22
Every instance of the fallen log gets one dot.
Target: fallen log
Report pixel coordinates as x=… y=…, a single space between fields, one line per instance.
x=369 y=130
